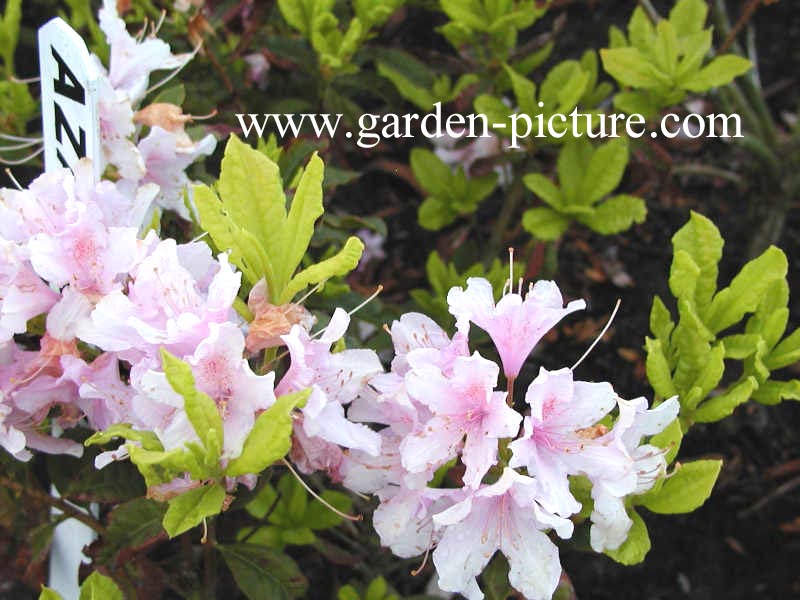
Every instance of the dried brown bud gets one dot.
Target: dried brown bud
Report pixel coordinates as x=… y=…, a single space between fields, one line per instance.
x=270 y=321
x=164 y=115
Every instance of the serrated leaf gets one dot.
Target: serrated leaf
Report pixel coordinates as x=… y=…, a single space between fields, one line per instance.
x=99 y=587
x=773 y=392
x=189 y=509
x=686 y=490
x=337 y=265
x=262 y=572
x=635 y=548
x=723 y=405
x=544 y=223
x=270 y=438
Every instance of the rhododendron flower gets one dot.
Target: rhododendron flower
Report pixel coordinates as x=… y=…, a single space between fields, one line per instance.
x=464 y=407
x=131 y=61
x=221 y=372
x=561 y=438
x=169 y=303
x=166 y=155
x=335 y=379
x=502 y=516
x=23 y=295
x=515 y=324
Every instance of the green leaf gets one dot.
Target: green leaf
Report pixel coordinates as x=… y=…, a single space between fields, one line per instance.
x=434 y=213
x=605 y=171
x=665 y=49
x=189 y=509
x=413 y=90
x=741 y=345
x=270 y=438
x=686 y=489
x=339 y=264
x=147 y=439
x=99 y=587
x=786 y=353
x=688 y=16
x=49 y=594
x=723 y=405
x=544 y=189
x=132 y=524
x=616 y=214
x=635 y=548
x=630 y=67
x=544 y=223
x=773 y=392
x=430 y=171
x=641 y=31
x=746 y=290
x=301 y=14
x=661 y=323
x=524 y=91
x=305 y=210
x=701 y=240
x=160 y=466
x=469 y=13
x=658 y=371
x=695 y=49
x=262 y=572
x=377 y=589
x=683 y=276
x=720 y=71
x=573 y=161
x=200 y=408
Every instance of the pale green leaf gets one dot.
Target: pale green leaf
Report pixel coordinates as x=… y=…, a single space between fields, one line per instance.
x=616 y=214
x=339 y=264
x=773 y=392
x=605 y=171
x=658 y=371
x=720 y=71
x=702 y=241
x=270 y=439
x=189 y=509
x=686 y=490
x=723 y=405
x=635 y=548
x=630 y=67
x=544 y=223
x=688 y=16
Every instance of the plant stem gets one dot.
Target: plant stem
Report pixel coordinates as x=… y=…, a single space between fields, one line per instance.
x=503 y=219
x=210 y=561
x=708 y=171
x=59 y=503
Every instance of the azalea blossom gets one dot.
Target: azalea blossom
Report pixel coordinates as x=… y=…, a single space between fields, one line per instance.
x=504 y=516
x=464 y=407
x=515 y=323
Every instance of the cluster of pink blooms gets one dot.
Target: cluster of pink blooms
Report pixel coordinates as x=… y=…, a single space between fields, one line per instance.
x=440 y=404
x=161 y=156
x=109 y=297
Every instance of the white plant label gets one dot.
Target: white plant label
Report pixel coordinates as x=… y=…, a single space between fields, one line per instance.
x=70 y=116
x=71 y=130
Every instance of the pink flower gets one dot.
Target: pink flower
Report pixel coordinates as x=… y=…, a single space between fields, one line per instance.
x=176 y=293
x=132 y=61
x=335 y=380
x=221 y=372
x=464 y=407
x=503 y=516
x=515 y=324
x=562 y=438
